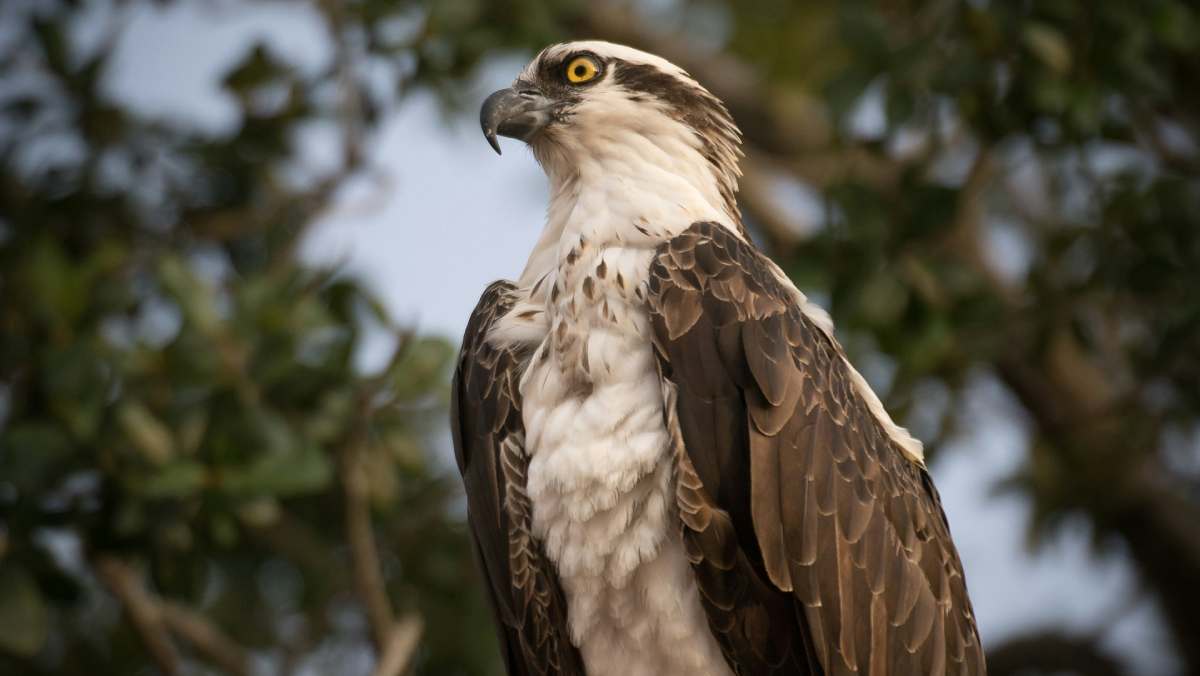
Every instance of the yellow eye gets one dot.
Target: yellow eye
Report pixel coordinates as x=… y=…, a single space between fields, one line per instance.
x=581 y=69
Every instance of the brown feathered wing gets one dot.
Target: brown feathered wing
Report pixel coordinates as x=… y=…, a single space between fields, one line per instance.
x=817 y=545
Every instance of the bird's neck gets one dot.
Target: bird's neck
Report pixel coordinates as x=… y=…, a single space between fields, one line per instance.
x=626 y=189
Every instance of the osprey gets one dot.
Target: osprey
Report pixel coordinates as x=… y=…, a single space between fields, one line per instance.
x=671 y=468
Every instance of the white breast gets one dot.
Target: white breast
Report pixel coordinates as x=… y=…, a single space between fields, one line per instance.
x=600 y=479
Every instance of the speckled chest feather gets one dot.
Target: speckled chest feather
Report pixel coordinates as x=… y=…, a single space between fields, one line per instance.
x=600 y=478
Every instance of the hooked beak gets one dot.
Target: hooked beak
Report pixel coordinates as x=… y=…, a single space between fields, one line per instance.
x=515 y=113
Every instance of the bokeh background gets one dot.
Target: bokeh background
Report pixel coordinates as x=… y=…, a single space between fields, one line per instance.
x=239 y=242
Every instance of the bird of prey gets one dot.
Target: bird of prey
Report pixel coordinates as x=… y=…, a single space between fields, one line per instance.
x=671 y=468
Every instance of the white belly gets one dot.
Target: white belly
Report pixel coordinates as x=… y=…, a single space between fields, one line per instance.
x=600 y=482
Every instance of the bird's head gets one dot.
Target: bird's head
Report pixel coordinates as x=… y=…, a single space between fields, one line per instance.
x=580 y=103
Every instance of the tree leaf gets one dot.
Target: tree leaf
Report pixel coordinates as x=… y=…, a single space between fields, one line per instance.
x=23 y=618
x=304 y=470
x=148 y=434
x=175 y=480
x=1049 y=45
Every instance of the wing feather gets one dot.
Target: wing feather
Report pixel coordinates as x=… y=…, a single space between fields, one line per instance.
x=818 y=546
x=489 y=445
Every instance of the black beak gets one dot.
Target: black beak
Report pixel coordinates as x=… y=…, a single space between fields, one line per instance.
x=516 y=113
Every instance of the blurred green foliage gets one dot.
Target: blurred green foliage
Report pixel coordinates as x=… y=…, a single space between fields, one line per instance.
x=179 y=394
x=1008 y=192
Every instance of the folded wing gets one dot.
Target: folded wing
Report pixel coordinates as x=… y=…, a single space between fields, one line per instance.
x=818 y=545
x=489 y=444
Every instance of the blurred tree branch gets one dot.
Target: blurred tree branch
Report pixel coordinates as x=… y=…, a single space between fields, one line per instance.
x=402 y=645
x=364 y=555
x=143 y=612
x=155 y=620
x=395 y=641
x=205 y=638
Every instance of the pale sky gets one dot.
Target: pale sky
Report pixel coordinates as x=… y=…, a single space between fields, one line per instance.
x=450 y=216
